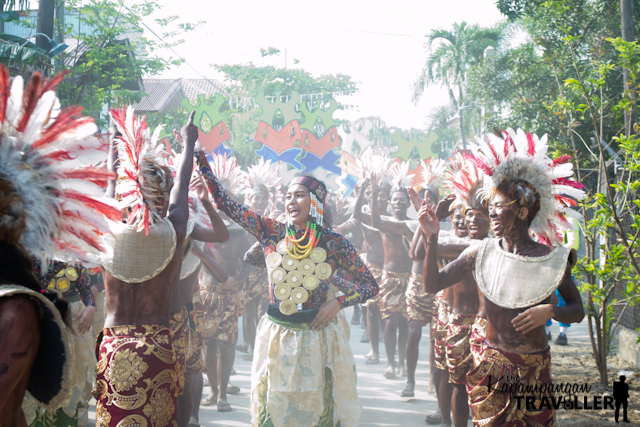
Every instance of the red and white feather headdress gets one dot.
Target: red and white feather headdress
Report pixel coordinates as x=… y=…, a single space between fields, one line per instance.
x=138 y=151
x=461 y=176
x=49 y=156
x=520 y=155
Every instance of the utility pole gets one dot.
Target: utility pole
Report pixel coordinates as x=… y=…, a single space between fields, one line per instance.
x=626 y=26
x=44 y=24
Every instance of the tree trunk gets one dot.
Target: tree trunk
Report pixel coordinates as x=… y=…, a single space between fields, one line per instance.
x=44 y=24
x=626 y=26
x=461 y=105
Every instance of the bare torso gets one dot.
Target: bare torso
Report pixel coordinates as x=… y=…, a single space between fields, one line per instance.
x=146 y=303
x=396 y=256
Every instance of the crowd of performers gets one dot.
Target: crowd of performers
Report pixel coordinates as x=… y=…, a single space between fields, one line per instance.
x=127 y=267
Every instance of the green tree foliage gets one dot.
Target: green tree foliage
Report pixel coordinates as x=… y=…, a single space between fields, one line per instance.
x=118 y=53
x=451 y=54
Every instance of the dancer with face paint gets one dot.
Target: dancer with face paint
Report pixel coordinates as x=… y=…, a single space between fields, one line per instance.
x=527 y=192
x=300 y=329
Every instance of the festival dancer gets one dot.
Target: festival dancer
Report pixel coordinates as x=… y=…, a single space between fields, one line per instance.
x=373 y=256
x=527 y=192
x=206 y=315
x=442 y=311
x=397 y=265
x=466 y=309
x=136 y=376
x=72 y=281
x=263 y=188
x=220 y=346
x=302 y=257
x=420 y=303
x=47 y=188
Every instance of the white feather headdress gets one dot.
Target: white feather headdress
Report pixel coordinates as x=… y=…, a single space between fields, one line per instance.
x=433 y=172
x=370 y=163
x=462 y=174
x=140 y=169
x=48 y=155
x=264 y=174
x=229 y=174
x=520 y=155
x=400 y=176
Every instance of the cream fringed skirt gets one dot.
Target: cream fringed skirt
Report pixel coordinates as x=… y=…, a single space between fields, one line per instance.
x=303 y=378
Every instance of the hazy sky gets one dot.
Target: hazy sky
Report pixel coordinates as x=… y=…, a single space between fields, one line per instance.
x=379 y=44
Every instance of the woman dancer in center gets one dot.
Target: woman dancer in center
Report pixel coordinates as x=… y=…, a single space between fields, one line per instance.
x=303 y=370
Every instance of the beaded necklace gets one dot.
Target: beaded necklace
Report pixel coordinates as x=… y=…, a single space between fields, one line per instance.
x=312 y=233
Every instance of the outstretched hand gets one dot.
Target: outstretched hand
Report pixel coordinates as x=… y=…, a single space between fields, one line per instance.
x=442 y=210
x=189 y=132
x=428 y=220
x=416 y=200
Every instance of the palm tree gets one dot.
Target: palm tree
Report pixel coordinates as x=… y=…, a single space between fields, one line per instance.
x=451 y=53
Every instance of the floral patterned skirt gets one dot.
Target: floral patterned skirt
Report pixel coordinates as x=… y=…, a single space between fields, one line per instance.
x=303 y=376
x=136 y=381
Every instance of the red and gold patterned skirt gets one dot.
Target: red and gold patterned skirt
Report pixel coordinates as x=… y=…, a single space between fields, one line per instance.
x=136 y=378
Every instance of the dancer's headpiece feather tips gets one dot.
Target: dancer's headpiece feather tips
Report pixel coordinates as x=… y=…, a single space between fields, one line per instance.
x=264 y=176
x=401 y=179
x=370 y=163
x=523 y=156
x=48 y=155
x=229 y=174
x=142 y=176
x=461 y=176
x=433 y=171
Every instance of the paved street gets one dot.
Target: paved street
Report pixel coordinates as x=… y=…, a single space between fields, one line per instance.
x=380 y=398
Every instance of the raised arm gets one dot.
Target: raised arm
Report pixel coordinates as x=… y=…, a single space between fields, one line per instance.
x=255 y=224
x=436 y=280
x=363 y=286
x=357 y=210
x=206 y=256
x=179 y=197
x=219 y=232
x=347 y=226
x=386 y=226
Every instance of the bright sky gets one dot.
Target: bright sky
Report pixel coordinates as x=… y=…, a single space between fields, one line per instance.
x=379 y=44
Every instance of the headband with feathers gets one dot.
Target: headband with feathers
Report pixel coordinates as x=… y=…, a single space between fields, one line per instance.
x=140 y=167
x=461 y=176
x=48 y=156
x=523 y=156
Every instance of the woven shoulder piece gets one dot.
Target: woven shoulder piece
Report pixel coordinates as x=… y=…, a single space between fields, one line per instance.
x=515 y=281
x=138 y=257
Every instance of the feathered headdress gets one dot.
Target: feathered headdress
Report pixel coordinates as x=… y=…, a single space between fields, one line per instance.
x=433 y=171
x=523 y=156
x=401 y=179
x=142 y=179
x=48 y=156
x=264 y=174
x=370 y=163
x=229 y=174
x=461 y=177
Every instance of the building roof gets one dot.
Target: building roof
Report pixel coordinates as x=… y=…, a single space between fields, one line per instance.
x=163 y=95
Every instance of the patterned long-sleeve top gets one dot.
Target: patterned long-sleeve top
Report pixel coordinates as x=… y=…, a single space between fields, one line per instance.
x=81 y=286
x=340 y=253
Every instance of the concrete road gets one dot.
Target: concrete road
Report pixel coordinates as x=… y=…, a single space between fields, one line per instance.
x=380 y=397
